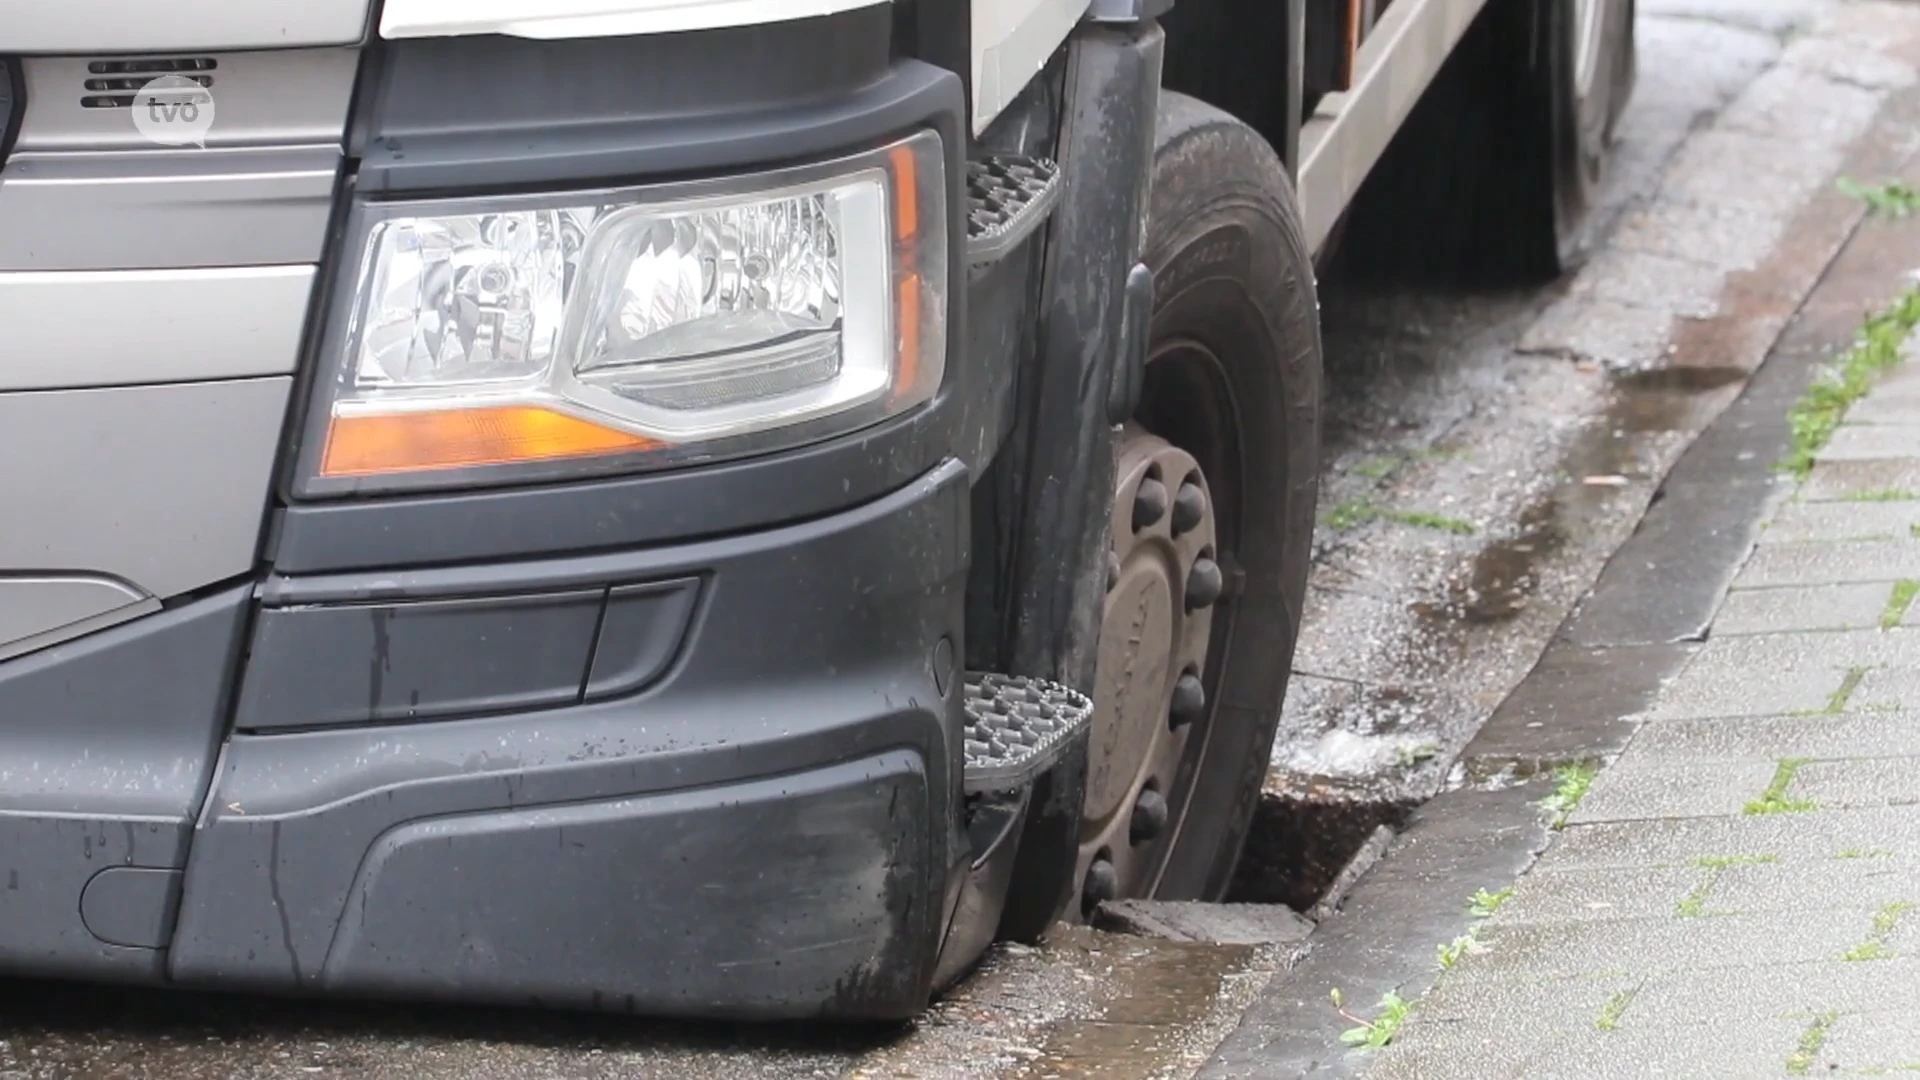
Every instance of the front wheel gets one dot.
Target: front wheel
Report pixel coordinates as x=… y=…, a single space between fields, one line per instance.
x=1212 y=520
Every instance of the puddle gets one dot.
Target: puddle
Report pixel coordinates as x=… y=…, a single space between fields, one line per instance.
x=1667 y=398
x=1155 y=1023
x=1502 y=578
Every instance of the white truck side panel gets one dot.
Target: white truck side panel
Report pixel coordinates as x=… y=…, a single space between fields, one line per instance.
x=1012 y=40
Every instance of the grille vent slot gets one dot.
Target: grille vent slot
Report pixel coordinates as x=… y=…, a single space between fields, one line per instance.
x=112 y=84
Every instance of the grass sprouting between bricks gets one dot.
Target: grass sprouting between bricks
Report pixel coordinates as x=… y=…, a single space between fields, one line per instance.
x=1826 y=402
x=1570 y=784
x=1893 y=199
x=1904 y=591
x=1379 y=1031
x=1811 y=1040
x=1885 y=921
x=1774 y=800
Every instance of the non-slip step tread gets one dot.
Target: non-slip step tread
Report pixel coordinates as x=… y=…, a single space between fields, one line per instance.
x=1007 y=198
x=1017 y=726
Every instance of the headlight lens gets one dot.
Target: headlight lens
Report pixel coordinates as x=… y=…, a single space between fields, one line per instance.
x=641 y=328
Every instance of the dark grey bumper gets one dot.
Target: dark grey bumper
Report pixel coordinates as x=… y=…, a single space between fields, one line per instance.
x=766 y=829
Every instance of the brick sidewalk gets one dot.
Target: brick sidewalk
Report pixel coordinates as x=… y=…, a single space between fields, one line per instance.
x=1738 y=895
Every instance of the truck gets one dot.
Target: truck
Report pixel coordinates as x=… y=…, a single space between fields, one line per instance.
x=718 y=508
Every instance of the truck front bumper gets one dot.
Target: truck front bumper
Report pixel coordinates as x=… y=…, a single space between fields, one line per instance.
x=764 y=824
x=763 y=829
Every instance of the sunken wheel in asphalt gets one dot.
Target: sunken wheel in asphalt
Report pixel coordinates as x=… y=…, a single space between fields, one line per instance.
x=1212 y=520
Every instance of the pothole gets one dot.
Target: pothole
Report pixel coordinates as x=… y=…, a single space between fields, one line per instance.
x=1302 y=842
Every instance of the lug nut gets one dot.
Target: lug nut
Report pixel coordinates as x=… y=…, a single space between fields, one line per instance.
x=1189 y=701
x=1103 y=884
x=1113 y=570
x=1149 y=502
x=1189 y=506
x=1203 y=584
x=1149 y=817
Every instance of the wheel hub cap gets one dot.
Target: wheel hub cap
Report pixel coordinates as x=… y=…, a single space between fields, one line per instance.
x=1149 y=697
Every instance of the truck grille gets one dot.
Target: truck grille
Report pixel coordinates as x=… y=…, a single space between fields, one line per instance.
x=111 y=84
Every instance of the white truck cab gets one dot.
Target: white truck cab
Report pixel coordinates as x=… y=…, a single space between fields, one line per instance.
x=704 y=507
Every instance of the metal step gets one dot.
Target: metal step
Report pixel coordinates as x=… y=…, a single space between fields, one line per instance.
x=1017 y=727
x=1008 y=197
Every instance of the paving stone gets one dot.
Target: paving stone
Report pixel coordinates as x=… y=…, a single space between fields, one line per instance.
x=1725 y=883
x=1820 y=607
x=1659 y=1046
x=1461 y=998
x=1822 y=651
x=1879 y=25
x=1643 y=279
x=1852 y=735
x=1602 y=331
x=1883 y=406
x=1797 y=991
x=1906 y=376
x=1776 y=17
x=1873 y=442
x=1795 y=103
x=1771 y=176
x=1725 y=685
x=1851 y=479
x=1880 y=519
x=1880 y=1041
x=1728 y=238
x=1831 y=563
x=1593 y=895
x=1483 y=1049
x=1817 y=835
x=1665 y=944
x=1862 y=885
x=1218 y=924
x=1885 y=689
x=1844 y=784
x=1672 y=791
x=1848 y=62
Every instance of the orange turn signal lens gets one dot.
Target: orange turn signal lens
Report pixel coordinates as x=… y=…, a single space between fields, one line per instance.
x=378 y=444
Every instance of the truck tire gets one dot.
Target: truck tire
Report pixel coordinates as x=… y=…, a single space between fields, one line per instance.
x=1498 y=167
x=1582 y=54
x=1213 y=519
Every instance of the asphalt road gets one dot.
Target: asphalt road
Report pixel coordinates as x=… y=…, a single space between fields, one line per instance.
x=1433 y=410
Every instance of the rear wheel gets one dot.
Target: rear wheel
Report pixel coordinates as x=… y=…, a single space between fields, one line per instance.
x=1497 y=169
x=1212 y=520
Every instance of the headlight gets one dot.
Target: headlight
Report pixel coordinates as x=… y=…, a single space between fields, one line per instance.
x=640 y=328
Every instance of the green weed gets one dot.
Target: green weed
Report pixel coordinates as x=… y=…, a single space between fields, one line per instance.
x=1379 y=1031
x=1570 y=784
x=1483 y=903
x=1616 y=1007
x=1826 y=402
x=1811 y=1040
x=1351 y=514
x=1377 y=468
x=1726 y=862
x=1885 y=921
x=1837 y=701
x=1904 y=591
x=1450 y=952
x=1892 y=199
x=1774 y=800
